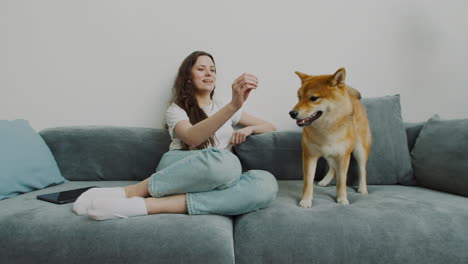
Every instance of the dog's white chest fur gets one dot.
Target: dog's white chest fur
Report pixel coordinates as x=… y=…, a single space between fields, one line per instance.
x=326 y=150
x=332 y=145
x=335 y=149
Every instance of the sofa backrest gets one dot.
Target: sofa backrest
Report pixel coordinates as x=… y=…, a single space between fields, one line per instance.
x=93 y=153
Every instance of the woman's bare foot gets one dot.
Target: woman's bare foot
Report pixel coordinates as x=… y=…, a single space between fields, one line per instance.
x=140 y=189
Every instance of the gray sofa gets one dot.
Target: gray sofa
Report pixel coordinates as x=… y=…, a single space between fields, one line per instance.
x=393 y=224
x=416 y=210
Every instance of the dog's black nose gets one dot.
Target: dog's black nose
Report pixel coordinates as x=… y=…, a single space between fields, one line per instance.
x=293 y=113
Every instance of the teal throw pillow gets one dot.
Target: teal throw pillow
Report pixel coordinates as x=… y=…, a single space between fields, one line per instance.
x=26 y=163
x=440 y=155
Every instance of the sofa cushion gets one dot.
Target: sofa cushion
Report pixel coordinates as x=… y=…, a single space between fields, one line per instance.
x=393 y=224
x=92 y=153
x=26 y=163
x=440 y=156
x=34 y=231
x=412 y=133
x=389 y=160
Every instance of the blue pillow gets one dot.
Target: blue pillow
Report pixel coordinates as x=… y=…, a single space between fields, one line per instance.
x=26 y=163
x=440 y=155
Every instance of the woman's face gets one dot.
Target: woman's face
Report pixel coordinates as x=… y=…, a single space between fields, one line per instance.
x=204 y=74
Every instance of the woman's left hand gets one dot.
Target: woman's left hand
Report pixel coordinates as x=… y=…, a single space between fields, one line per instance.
x=240 y=135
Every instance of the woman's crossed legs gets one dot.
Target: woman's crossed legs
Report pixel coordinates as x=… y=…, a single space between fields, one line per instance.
x=195 y=182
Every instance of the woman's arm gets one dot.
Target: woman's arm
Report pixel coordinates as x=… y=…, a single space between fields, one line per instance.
x=253 y=125
x=194 y=135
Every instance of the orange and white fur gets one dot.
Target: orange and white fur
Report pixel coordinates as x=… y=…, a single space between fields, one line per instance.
x=334 y=125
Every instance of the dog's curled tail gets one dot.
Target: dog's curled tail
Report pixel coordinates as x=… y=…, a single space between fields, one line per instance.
x=354 y=92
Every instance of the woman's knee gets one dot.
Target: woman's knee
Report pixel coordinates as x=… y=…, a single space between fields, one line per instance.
x=224 y=167
x=170 y=158
x=266 y=188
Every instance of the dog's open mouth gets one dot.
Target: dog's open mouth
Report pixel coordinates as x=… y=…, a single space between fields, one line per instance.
x=309 y=120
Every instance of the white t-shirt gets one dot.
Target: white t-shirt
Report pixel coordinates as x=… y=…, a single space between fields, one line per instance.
x=223 y=136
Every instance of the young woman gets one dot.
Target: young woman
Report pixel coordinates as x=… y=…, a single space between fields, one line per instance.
x=199 y=174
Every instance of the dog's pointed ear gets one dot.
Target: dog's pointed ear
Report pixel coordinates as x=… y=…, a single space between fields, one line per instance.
x=338 y=78
x=301 y=75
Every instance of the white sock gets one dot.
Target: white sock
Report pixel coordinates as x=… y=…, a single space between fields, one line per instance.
x=104 y=209
x=83 y=202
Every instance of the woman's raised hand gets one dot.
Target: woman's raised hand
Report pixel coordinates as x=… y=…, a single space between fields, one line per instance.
x=241 y=88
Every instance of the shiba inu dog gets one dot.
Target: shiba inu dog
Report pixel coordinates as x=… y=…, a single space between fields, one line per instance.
x=334 y=125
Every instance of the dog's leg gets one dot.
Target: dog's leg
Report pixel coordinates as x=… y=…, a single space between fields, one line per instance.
x=342 y=164
x=361 y=155
x=309 y=166
x=328 y=178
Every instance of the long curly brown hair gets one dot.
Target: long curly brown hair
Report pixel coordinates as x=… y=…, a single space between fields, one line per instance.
x=183 y=94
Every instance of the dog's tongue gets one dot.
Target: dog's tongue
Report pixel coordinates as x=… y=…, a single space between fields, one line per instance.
x=302 y=122
x=309 y=120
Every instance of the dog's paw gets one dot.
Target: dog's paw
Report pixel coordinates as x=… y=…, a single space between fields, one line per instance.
x=363 y=190
x=343 y=201
x=305 y=203
x=322 y=183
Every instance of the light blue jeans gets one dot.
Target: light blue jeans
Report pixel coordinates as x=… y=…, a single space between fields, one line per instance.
x=213 y=182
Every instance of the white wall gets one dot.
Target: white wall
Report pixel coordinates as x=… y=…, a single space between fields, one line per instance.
x=95 y=62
